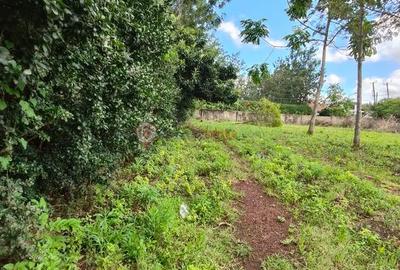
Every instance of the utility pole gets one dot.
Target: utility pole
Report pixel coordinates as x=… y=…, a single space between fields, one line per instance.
x=387 y=90
x=373 y=92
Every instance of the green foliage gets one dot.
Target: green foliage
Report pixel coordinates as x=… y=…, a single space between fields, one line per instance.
x=298 y=39
x=258 y=73
x=338 y=103
x=267 y=111
x=387 y=108
x=298 y=8
x=76 y=79
x=361 y=45
x=198 y=13
x=277 y=262
x=204 y=73
x=292 y=80
x=302 y=109
x=136 y=223
x=344 y=218
x=253 y=31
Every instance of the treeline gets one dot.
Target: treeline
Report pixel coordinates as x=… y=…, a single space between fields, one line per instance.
x=76 y=80
x=292 y=83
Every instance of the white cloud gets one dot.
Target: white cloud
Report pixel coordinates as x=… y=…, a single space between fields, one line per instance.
x=233 y=32
x=334 y=55
x=387 y=50
x=230 y=28
x=380 y=86
x=333 y=79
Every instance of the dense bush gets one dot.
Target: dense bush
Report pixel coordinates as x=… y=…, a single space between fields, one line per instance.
x=137 y=224
x=76 y=78
x=302 y=109
x=387 y=108
x=340 y=111
x=269 y=113
x=204 y=72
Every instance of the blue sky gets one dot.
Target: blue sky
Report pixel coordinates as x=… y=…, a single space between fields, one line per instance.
x=381 y=68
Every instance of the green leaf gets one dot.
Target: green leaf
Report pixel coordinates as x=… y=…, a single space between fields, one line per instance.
x=5 y=162
x=21 y=83
x=42 y=203
x=3 y=104
x=254 y=31
x=23 y=142
x=11 y=91
x=43 y=219
x=27 y=109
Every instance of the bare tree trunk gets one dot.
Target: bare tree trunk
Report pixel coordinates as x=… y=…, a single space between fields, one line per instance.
x=311 y=126
x=360 y=59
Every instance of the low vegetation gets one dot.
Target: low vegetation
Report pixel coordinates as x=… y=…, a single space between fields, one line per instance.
x=266 y=112
x=135 y=223
x=344 y=220
x=98 y=172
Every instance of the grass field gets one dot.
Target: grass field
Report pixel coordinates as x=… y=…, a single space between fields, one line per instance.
x=344 y=203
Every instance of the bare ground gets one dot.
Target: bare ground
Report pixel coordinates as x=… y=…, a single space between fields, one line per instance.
x=263 y=224
x=263 y=221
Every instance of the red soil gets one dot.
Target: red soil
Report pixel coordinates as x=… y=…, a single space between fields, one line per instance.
x=260 y=224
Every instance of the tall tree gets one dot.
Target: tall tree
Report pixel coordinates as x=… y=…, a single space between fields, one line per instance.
x=370 y=22
x=203 y=71
x=360 y=45
x=199 y=14
x=292 y=80
x=323 y=21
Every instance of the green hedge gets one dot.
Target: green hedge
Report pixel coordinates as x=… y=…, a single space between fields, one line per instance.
x=302 y=109
x=245 y=105
x=387 y=108
x=269 y=112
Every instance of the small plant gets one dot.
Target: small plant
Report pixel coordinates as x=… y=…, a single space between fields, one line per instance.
x=243 y=250
x=277 y=262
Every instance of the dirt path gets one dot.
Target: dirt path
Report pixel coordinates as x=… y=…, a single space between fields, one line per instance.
x=263 y=224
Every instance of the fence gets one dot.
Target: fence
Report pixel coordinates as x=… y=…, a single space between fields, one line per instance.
x=390 y=125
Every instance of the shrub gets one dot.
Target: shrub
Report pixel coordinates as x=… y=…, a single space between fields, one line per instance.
x=269 y=113
x=302 y=109
x=137 y=224
x=75 y=82
x=387 y=108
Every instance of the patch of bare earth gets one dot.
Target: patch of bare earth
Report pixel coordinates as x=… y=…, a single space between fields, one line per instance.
x=263 y=224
